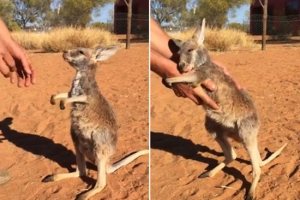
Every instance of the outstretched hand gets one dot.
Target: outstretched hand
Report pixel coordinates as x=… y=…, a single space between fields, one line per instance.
x=14 y=63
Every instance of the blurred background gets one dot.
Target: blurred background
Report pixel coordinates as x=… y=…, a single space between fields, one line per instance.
x=246 y=16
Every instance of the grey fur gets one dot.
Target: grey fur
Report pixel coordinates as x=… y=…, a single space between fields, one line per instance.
x=93 y=121
x=237 y=116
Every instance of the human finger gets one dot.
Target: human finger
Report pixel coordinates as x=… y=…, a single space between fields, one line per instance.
x=13 y=77
x=27 y=80
x=4 y=69
x=25 y=63
x=178 y=92
x=194 y=99
x=209 y=84
x=20 y=82
x=33 y=76
x=178 y=89
x=205 y=98
x=8 y=59
x=29 y=77
x=21 y=78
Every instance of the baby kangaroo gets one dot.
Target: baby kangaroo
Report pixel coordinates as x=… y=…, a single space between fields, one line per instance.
x=93 y=121
x=236 y=118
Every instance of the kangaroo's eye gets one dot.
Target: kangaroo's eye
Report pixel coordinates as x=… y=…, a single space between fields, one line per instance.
x=81 y=52
x=190 y=50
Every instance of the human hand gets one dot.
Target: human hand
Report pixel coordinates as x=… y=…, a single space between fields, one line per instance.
x=25 y=72
x=197 y=94
x=15 y=63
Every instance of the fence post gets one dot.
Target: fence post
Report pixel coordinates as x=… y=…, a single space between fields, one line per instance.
x=265 y=16
x=129 y=18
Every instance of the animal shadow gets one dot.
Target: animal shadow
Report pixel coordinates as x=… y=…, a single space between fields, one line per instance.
x=40 y=146
x=186 y=148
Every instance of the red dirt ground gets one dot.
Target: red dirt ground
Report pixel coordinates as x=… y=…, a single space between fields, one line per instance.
x=35 y=138
x=181 y=149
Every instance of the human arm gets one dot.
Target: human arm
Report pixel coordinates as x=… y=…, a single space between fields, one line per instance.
x=161 y=42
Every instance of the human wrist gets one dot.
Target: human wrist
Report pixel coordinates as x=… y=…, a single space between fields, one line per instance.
x=4 y=33
x=6 y=40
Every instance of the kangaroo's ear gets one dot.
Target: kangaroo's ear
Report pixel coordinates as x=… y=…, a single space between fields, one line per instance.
x=103 y=53
x=177 y=42
x=198 y=36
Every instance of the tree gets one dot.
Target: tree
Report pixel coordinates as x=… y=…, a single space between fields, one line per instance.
x=29 y=11
x=216 y=12
x=99 y=25
x=7 y=14
x=164 y=10
x=265 y=17
x=235 y=25
x=77 y=13
x=6 y=11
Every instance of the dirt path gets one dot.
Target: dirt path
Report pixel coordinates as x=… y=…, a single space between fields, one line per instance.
x=182 y=150
x=35 y=139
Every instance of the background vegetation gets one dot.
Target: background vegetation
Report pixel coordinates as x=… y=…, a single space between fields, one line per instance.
x=54 y=25
x=46 y=14
x=59 y=39
x=179 y=19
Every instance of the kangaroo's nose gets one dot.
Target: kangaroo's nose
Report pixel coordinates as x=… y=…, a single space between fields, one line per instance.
x=181 y=65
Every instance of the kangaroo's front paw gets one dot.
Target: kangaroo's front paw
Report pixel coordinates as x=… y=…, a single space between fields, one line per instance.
x=52 y=99
x=62 y=104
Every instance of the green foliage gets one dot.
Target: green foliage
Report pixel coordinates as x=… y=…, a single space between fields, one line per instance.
x=6 y=11
x=237 y=26
x=29 y=11
x=216 y=11
x=187 y=13
x=13 y=26
x=77 y=13
x=99 y=25
x=166 y=10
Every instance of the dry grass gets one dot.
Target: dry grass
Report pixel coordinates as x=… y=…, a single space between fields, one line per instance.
x=60 y=39
x=221 y=39
x=29 y=40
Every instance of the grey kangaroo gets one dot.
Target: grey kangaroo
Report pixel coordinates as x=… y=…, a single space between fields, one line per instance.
x=236 y=118
x=93 y=121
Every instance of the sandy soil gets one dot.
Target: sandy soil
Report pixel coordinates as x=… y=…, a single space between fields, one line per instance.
x=181 y=149
x=35 y=139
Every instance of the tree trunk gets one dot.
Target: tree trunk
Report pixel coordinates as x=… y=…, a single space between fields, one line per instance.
x=129 y=17
x=265 y=17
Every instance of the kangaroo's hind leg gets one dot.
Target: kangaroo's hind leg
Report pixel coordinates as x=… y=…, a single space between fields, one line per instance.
x=80 y=169
x=252 y=149
x=219 y=133
x=229 y=154
x=101 y=180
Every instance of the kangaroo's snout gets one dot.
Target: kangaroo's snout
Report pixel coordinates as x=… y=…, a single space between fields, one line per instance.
x=66 y=55
x=184 y=66
x=181 y=65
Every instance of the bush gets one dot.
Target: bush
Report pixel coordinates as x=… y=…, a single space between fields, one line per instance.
x=60 y=39
x=13 y=26
x=29 y=40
